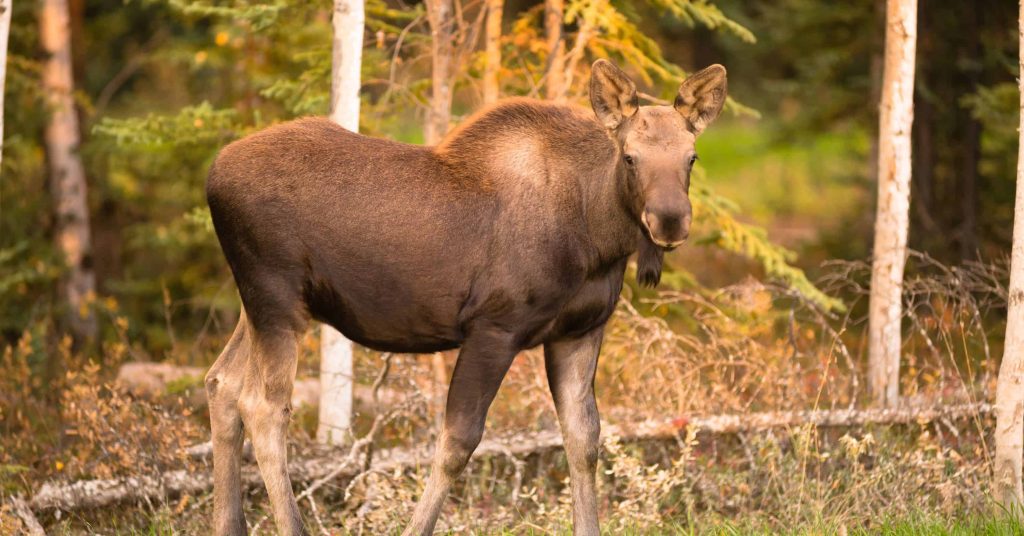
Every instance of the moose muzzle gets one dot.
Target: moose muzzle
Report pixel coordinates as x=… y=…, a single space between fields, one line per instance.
x=668 y=221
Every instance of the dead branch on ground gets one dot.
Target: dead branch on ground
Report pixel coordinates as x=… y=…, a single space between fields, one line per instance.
x=321 y=470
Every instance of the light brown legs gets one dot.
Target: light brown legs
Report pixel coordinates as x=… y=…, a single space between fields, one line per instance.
x=571 y=366
x=223 y=387
x=481 y=367
x=266 y=409
x=251 y=383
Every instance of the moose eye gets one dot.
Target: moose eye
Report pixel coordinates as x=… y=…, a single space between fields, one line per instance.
x=628 y=159
x=693 y=160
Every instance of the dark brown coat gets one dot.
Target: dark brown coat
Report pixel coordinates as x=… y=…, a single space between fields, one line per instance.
x=513 y=232
x=515 y=221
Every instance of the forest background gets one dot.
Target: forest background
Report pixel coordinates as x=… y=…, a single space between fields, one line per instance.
x=767 y=301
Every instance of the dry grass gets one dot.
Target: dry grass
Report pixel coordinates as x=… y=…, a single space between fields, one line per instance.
x=747 y=347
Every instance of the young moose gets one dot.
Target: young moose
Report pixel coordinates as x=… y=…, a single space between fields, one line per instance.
x=513 y=232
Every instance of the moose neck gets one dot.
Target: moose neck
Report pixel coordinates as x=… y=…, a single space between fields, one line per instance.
x=611 y=221
x=519 y=136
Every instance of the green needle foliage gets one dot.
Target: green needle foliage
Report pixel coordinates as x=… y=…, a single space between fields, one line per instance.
x=170 y=82
x=752 y=242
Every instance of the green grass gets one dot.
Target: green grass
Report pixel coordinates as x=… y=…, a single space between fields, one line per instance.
x=161 y=523
x=978 y=525
x=819 y=178
x=987 y=525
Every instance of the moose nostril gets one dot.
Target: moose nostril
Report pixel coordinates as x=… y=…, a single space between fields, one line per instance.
x=669 y=223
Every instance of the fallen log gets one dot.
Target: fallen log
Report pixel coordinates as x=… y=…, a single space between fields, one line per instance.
x=30 y=524
x=98 y=493
x=154 y=379
x=726 y=424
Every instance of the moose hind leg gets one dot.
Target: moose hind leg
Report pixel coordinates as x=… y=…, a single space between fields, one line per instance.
x=570 y=368
x=479 y=370
x=266 y=410
x=223 y=387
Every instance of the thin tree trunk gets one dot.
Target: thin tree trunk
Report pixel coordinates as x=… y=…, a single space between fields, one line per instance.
x=346 y=61
x=968 y=179
x=336 y=371
x=67 y=176
x=1009 y=433
x=554 y=15
x=336 y=374
x=439 y=15
x=585 y=20
x=5 y=30
x=892 y=218
x=493 y=50
x=923 y=182
x=875 y=67
x=439 y=386
x=970 y=142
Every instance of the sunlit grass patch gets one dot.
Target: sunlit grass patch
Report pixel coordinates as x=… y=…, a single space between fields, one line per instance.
x=820 y=177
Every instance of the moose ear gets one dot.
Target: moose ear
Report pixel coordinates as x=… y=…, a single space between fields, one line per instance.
x=701 y=97
x=612 y=94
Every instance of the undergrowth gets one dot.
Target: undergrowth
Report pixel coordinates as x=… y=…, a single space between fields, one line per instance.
x=681 y=352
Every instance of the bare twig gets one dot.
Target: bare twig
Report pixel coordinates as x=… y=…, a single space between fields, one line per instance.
x=652 y=98
x=316 y=516
x=583 y=36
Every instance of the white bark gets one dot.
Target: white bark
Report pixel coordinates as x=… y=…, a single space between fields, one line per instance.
x=336 y=387
x=439 y=15
x=336 y=371
x=5 y=30
x=347 y=59
x=892 y=218
x=30 y=524
x=493 y=50
x=67 y=176
x=1009 y=433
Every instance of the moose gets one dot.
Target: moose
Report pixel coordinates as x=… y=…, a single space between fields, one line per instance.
x=513 y=232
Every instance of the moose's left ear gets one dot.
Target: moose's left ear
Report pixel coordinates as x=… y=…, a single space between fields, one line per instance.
x=701 y=97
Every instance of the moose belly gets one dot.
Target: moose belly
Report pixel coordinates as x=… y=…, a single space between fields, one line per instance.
x=389 y=308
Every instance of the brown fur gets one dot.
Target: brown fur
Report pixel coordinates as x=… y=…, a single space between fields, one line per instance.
x=513 y=232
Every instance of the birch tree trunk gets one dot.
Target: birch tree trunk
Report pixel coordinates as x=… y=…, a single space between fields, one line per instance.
x=439 y=15
x=493 y=50
x=1009 y=434
x=896 y=116
x=336 y=371
x=554 y=14
x=67 y=176
x=346 y=62
x=5 y=30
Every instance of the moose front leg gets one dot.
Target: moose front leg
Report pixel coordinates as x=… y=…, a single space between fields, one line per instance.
x=479 y=370
x=571 y=366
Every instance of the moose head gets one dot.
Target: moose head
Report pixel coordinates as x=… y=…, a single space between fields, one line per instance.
x=657 y=144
